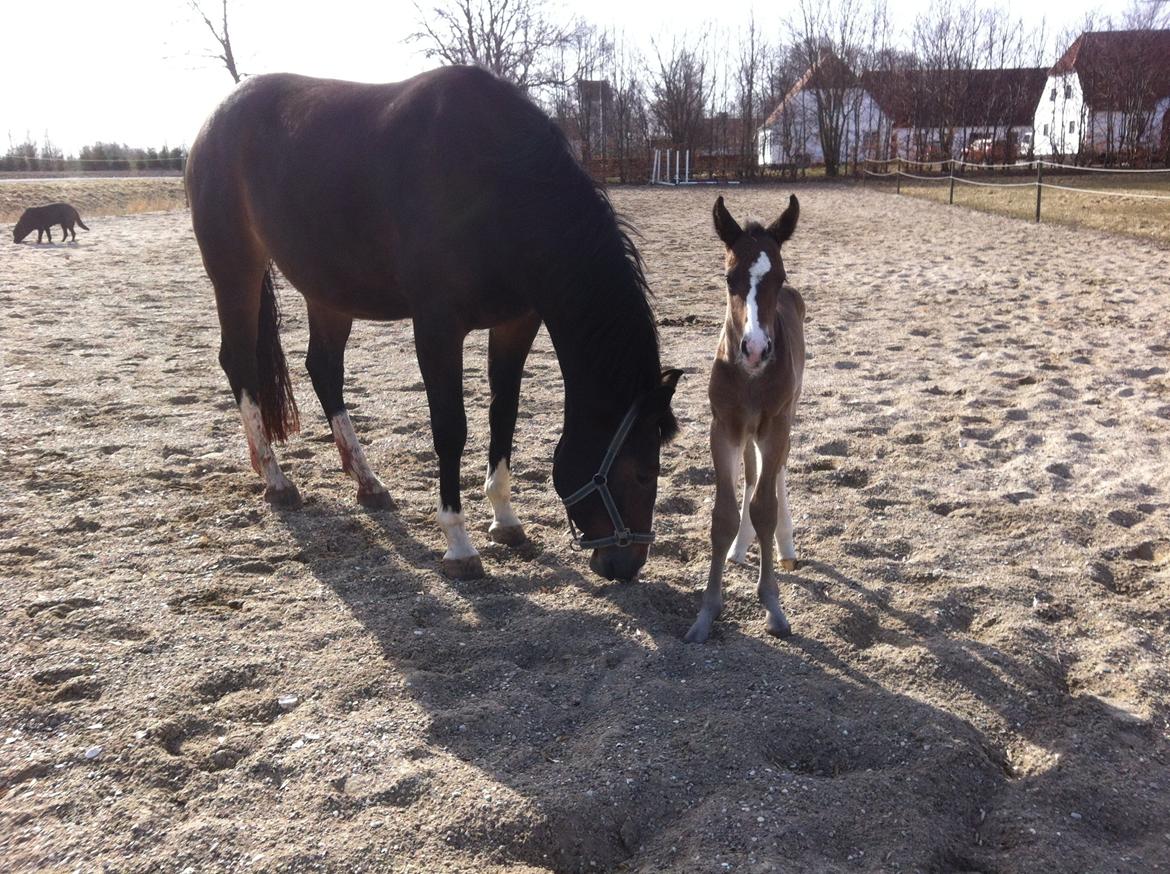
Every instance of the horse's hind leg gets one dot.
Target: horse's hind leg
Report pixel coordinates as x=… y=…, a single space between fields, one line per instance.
x=246 y=302
x=743 y=540
x=325 y=361
x=508 y=346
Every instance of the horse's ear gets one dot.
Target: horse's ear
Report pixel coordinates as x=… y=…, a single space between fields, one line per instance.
x=659 y=405
x=783 y=228
x=726 y=227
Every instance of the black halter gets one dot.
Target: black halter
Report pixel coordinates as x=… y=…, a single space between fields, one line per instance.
x=622 y=536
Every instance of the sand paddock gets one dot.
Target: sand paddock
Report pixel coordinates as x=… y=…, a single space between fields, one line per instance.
x=977 y=679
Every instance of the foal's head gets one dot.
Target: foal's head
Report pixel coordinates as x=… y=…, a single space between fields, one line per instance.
x=755 y=273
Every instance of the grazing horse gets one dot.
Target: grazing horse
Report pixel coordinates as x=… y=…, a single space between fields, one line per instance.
x=451 y=200
x=755 y=384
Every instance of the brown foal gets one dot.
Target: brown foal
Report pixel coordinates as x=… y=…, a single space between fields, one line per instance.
x=755 y=384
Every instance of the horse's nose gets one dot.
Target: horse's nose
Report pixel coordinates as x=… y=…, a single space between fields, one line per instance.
x=768 y=349
x=743 y=346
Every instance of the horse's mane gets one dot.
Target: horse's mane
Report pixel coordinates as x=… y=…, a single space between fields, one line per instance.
x=567 y=210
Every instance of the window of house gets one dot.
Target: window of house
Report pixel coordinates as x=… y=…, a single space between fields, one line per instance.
x=1068 y=92
x=1045 y=130
x=1072 y=127
x=1052 y=96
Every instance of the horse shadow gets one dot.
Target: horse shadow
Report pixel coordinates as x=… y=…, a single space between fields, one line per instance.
x=617 y=743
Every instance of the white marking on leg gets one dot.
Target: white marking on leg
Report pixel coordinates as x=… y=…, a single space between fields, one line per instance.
x=754 y=335
x=747 y=534
x=353 y=457
x=498 y=487
x=784 y=541
x=262 y=454
x=455 y=530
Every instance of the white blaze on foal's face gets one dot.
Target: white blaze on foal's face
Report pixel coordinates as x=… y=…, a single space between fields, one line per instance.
x=756 y=345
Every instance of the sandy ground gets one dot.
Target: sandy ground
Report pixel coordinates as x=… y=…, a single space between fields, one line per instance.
x=978 y=676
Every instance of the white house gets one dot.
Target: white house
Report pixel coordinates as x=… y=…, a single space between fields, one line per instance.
x=1107 y=96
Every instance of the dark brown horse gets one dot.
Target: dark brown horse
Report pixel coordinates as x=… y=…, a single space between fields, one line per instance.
x=755 y=385
x=450 y=200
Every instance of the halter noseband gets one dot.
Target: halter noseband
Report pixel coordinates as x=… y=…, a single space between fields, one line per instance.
x=622 y=536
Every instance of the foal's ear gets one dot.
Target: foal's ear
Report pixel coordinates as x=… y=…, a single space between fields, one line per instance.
x=781 y=229
x=659 y=405
x=726 y=227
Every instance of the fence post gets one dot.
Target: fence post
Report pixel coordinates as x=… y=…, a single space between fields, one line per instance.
x=951 y=200
x=898 y=170
x=1039 y=186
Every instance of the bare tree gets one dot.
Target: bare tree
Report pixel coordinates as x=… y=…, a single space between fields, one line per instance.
x=680 y=90
x=749 y=71
x=516 y=39
x=222 y=37
x=629 y=121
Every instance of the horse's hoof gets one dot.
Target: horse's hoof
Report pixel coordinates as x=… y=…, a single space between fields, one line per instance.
x=737 y=558
x=287 y=498
x=380 y=500
x=470 y=568
x=508 y=535
x=698 y=633
x=778 y=626
x=790 y=564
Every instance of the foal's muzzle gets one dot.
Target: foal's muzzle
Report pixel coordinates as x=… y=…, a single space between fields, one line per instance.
x=765 y=353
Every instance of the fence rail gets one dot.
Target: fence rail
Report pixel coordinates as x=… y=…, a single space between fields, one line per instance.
x=1039 y=165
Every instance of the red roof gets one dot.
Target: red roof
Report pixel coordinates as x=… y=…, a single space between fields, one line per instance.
x=828 y=72
x=1119 y=67
x=962 y=98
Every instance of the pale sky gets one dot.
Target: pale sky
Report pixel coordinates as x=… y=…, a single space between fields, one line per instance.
x=136 y=71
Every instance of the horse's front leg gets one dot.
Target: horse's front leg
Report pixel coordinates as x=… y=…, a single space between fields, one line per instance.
x=726 y=447
x=764 y=509
x=508 y=346
x=439 y=346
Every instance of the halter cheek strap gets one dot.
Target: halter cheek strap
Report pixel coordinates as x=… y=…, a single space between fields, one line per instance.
x=622 y=536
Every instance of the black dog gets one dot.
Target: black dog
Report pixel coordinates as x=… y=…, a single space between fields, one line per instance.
x=42 y=218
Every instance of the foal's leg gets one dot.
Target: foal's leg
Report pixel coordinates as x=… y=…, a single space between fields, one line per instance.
x=764 y=511
x=438 y=343
x=784 y=531
x=725 y=453
x=743 y=540
x=508 y=346
x=325 y=361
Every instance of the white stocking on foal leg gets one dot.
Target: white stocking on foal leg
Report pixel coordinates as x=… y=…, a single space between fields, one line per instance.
x=784 y=541
x=461 y=560
x=743 y=539
x=279 y=490
x=505 y=527
x=371 y=492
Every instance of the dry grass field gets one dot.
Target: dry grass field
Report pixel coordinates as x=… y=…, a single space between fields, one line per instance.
x=978 y=678
x=1100 y=207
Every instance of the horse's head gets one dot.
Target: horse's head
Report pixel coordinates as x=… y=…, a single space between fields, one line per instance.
x=755 y=274
x=23 y=228
x=607 y=475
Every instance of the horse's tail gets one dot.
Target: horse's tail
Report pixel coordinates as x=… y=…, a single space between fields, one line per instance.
x=278 y=407
x=82 y=224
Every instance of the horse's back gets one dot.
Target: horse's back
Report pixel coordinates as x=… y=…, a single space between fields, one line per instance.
x=349 y=187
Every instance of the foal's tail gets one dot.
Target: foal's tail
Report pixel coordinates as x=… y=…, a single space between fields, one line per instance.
x=82 y=224
x=278 y=407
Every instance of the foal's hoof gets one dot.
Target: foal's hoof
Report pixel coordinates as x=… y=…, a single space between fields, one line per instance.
x=375 y=500
x=698 y=633
x=740 y=559
x=470 y=568
x=287 y=498
x=778 y=626
x=508 y=535
x=790 y=564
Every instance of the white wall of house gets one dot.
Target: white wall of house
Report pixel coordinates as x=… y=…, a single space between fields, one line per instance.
x=795 y=136
x=1060 y=116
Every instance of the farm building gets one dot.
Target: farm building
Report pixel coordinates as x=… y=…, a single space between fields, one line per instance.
x=915 y=114
x=1107 y=96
